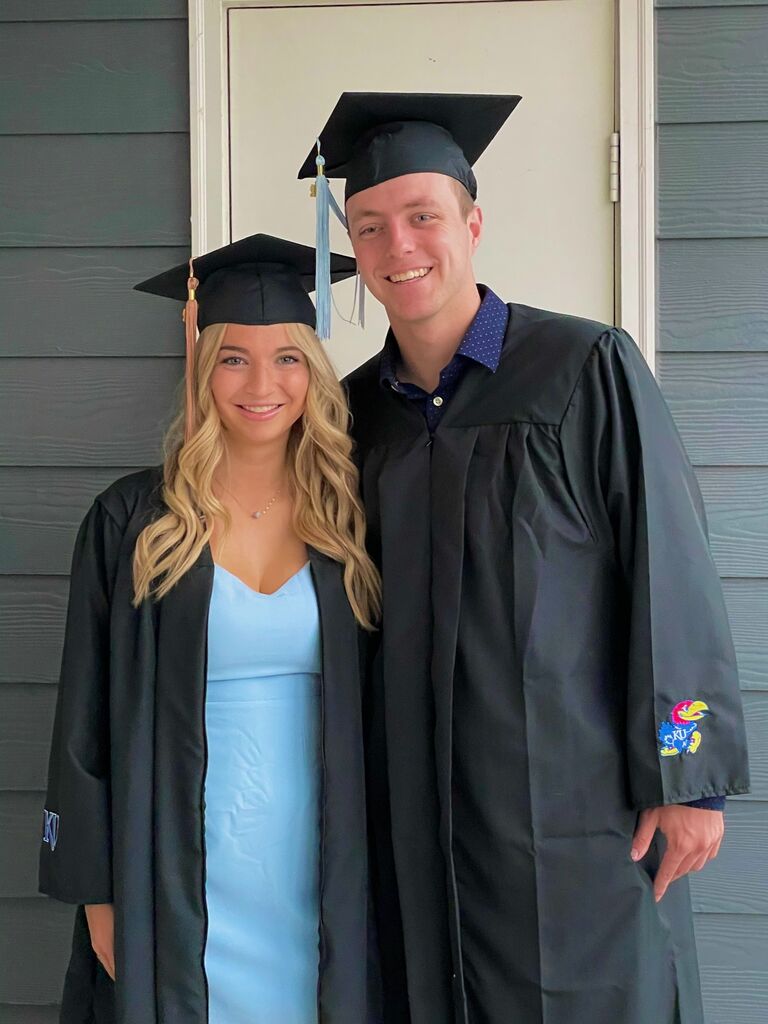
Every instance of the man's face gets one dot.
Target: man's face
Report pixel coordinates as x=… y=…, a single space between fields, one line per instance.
x=414 y=244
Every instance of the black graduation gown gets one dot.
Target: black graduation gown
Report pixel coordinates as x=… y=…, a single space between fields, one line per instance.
x=549 y=598
x=126 y=781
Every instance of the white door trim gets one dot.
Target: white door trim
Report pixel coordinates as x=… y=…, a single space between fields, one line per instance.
x=636 y=248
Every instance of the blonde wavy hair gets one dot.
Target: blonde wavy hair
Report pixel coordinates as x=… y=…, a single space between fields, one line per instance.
x=327 y=512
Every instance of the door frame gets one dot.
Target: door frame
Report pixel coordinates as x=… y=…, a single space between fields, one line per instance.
x=635 y=248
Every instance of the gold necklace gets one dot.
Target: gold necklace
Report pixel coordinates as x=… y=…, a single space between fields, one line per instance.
x=260 y=512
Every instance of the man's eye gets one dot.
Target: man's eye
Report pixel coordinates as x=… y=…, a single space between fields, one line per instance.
x=367 y=230
x=423 y=216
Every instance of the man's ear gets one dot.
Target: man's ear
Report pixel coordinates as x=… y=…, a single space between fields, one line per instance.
x=475 y=225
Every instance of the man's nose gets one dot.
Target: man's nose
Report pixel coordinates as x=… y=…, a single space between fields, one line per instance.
x=400 y=240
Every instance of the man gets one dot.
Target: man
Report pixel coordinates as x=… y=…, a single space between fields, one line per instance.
x=555 y=678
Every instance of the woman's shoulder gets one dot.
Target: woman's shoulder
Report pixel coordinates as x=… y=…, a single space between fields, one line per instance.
x=131 y=495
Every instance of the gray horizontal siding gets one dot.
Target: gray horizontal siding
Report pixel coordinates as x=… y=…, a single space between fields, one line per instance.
x=735 y=881
x=20 y=831
x=737 y=511
x=712 y=65
x=712 y=181
x=29 y=1014
x=98 y=412
x=80 y=302
x=94 y=197
x=720 y=403
x=90 y=10
x=40 y=510
x=712 y=294
x=104 y=190
x=26 y=720
x=35 y=940
x=734 y=969
x=107 y=76
x=747 y=604
x=32 y=614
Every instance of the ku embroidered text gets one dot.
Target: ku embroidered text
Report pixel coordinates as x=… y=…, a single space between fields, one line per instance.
x=50 y=828
x=679 y=734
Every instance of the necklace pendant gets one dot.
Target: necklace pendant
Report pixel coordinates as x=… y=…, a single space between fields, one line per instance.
x=256 y=515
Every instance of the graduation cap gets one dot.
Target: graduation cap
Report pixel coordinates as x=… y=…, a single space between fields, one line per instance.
x=257 y=280
x=372 y=137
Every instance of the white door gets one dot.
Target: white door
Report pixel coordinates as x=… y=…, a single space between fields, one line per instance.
x=543 y=182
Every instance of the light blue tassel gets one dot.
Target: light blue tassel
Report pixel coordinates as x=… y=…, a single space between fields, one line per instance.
x=323 y=253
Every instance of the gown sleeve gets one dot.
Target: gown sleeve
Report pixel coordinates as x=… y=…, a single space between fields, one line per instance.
x=75 y=855
x=685 y=736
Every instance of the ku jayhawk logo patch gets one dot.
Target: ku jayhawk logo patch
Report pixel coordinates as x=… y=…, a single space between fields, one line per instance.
x=50 y=828
x=679 y=734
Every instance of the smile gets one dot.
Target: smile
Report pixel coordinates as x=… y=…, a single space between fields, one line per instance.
x=259 y=412
x=409 y=275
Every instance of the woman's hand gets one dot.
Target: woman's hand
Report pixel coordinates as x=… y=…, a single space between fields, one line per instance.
x=101 y=925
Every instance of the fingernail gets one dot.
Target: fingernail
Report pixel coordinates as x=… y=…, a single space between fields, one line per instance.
x=635 y=855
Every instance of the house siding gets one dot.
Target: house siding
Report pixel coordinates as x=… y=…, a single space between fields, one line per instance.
x=94 y=196
x=712 y=362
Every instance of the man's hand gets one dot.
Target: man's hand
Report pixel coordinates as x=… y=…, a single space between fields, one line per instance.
x=693 y=838
x=101 y=925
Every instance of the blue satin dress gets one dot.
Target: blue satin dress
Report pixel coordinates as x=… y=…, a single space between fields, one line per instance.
x=262 y=802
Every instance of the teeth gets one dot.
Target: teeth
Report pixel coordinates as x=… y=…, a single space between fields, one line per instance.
x=409 y=275
x=259 y=408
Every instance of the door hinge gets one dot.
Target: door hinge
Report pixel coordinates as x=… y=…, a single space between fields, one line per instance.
x=614 y=171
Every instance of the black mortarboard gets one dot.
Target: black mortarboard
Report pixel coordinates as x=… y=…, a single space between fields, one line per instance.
x=372 y=137
x=256 y=280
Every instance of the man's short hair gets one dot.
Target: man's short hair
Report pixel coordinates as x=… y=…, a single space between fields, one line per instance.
x=466 y=202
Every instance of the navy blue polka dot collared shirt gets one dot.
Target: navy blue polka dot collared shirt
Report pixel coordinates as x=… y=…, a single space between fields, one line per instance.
x=481 y=344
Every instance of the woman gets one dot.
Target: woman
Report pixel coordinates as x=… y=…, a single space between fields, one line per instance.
x=206 y=802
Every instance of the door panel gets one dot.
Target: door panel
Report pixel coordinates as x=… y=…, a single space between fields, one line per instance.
x=543 y=183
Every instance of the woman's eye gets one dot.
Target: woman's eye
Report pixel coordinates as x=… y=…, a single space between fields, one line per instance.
x=233 y=361
x=287 y=360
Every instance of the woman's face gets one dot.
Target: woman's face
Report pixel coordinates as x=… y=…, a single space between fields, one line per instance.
x=259 y=384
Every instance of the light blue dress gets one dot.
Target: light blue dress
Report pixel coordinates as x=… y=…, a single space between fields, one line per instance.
x=262 y=802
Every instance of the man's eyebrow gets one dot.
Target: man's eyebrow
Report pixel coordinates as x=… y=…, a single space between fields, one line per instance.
x=420 y=201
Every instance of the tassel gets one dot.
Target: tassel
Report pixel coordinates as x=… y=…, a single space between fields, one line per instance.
x=361 y=303
x=190 y=330
x=337 y=210
x=323 y=252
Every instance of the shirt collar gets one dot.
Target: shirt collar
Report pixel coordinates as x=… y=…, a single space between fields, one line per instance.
x=482 y=343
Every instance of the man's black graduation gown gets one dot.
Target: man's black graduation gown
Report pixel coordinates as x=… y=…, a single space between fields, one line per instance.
x=549 y=597
x=126 y=781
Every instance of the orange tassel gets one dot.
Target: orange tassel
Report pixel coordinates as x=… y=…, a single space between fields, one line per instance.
x=190 y=331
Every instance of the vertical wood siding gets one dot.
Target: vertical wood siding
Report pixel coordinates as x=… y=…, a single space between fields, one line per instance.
x=94 y=196
x=713 y=366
